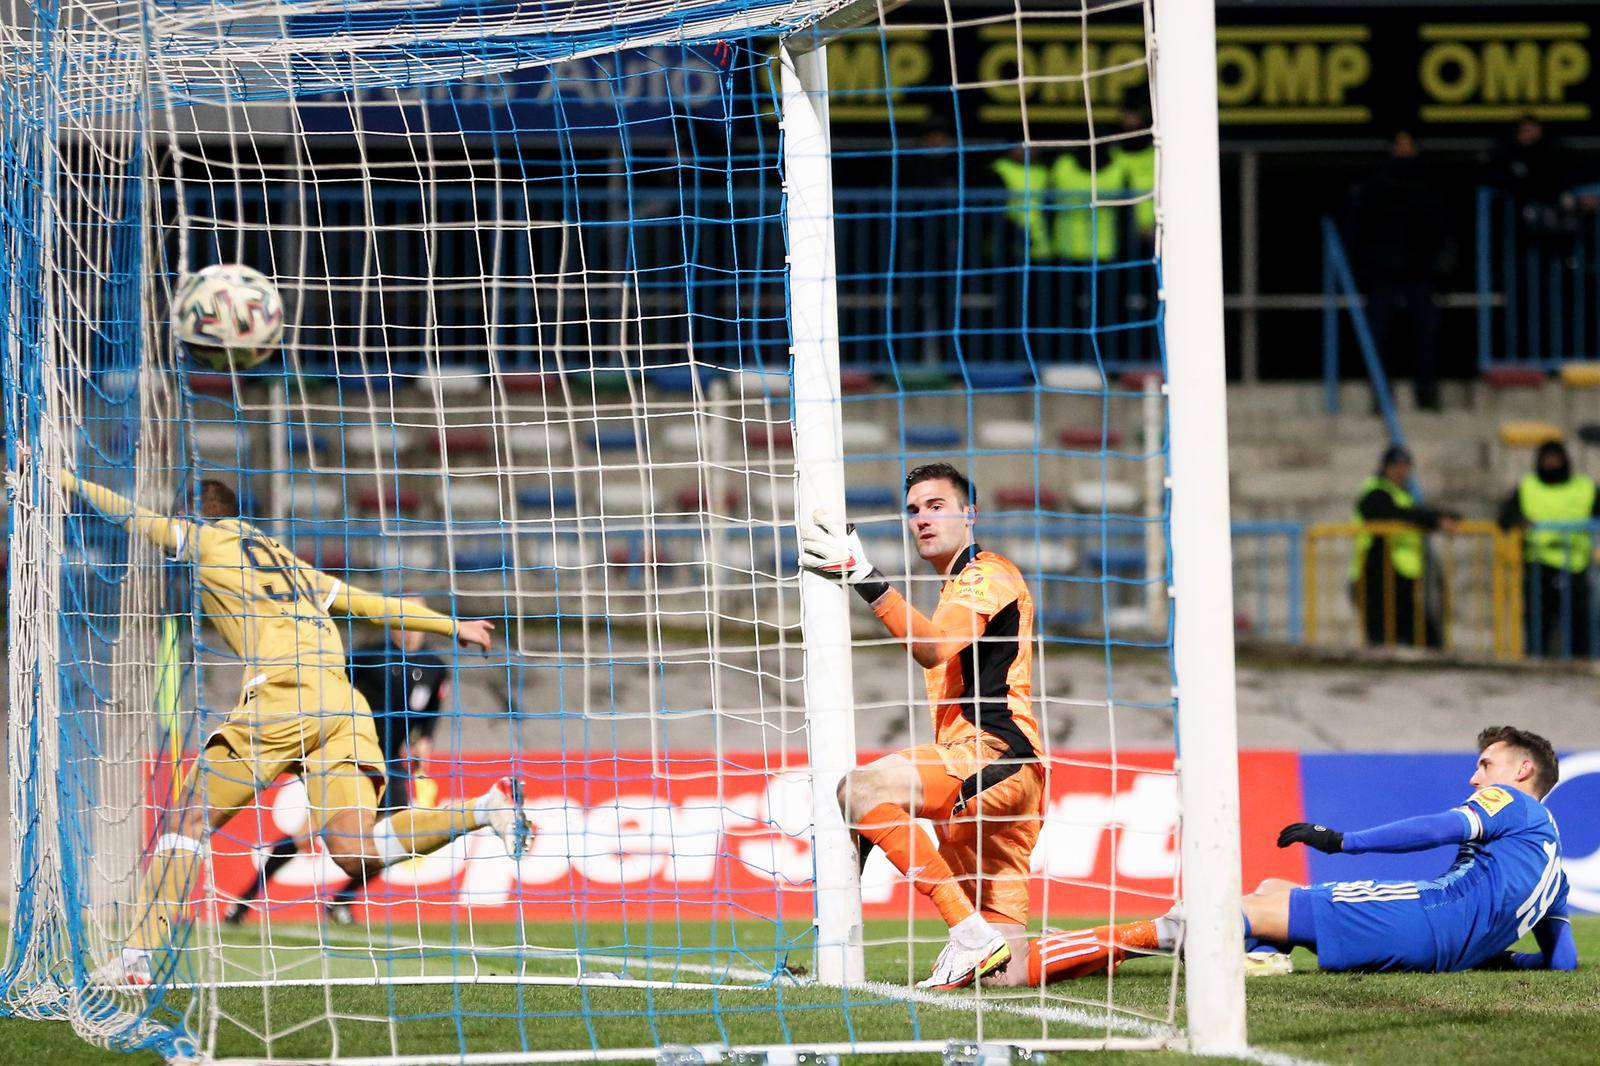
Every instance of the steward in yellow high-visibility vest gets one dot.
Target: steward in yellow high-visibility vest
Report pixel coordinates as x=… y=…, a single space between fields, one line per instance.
x=1083 y=231
x=1028 y=188
x=1133 y=172
x=1392 y=501
x=1388 y=571
x=1132 y=166
x=1555 y=593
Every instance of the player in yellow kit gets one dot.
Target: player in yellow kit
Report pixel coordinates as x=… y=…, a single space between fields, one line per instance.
x=297 y=713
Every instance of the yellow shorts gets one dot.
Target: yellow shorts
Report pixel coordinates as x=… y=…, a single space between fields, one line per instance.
x=311 y=722
x=989 y=845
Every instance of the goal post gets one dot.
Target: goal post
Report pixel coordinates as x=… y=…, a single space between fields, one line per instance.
x=819 y=485
x=1185 y=97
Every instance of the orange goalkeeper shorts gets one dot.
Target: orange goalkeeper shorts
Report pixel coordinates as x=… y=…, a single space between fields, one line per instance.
x=989 y=845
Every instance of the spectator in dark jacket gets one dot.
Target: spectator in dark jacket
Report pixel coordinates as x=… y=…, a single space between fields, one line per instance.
x=1399 y=249
x=1533 y=168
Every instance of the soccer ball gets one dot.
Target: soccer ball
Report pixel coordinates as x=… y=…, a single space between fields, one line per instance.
x=229 y=316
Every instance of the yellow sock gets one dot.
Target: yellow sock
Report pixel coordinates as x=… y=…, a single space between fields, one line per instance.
x=164 y=890
x=418 y=831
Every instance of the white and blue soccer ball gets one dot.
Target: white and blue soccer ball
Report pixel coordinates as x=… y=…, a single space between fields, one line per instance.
x=228 y=315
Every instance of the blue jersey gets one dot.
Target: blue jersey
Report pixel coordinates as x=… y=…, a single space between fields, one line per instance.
x=1506 y=878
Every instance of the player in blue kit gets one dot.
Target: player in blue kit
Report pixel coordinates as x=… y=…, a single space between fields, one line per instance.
x=1506 y=880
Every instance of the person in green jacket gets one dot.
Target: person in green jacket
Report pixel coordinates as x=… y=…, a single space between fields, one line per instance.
x=1555 y=593
x=1388 y=571
x=1026 y=180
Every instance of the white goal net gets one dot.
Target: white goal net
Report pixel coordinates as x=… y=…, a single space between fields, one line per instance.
x=590 y=307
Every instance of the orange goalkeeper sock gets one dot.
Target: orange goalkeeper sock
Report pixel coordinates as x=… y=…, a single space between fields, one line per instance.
x=1081 y=952
x=914 y=854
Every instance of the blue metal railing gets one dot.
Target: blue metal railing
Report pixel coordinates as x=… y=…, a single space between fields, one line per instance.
x=1339 y=286
x=1538 y=282
x=1269 y=580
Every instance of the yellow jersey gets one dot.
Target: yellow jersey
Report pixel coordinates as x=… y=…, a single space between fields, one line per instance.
x=273 y=610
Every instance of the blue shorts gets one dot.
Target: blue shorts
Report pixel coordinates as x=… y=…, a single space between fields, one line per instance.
x=1364 y=925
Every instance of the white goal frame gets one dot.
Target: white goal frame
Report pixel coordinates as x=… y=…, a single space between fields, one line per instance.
x=1189 y=228
x=1184 y=92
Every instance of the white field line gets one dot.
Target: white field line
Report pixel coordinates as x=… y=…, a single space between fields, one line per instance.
x=1276 y=1058
x=1000 y=1003
x=1018 y=1006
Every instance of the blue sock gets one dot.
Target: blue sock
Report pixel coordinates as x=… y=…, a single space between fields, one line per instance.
x=1250 y=942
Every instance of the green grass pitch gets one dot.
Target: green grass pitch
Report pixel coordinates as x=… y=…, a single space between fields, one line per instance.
x=1331 y=1018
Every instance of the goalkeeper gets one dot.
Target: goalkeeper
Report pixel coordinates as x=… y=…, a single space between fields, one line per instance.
x=980 y=782
x=297 y=713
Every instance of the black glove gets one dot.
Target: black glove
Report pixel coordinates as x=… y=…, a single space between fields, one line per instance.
x=1325 y=840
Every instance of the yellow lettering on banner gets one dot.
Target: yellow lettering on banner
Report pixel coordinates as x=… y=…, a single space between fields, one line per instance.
x=854 y=67
x=1510 y=72
x=867 y=81
x=998 y=63
x=1348 y=66
x=1056 y=78
x=1450 y=72
x=1566 y=63
x=1124 y=71
x=1059 y=72
x=1238 y=75
x=1291 y=73
x=1291 y=77
x=1480 y=72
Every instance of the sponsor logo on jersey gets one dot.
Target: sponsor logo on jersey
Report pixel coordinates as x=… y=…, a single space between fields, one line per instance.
x=1492 y=799
x=972 y=579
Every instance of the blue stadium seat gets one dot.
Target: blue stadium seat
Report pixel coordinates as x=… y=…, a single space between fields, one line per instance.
x=606 y=440
x=679 y=379
x=871 y=498
x=1117 y=562
x=481 y=559
x=933 y=437
x=543 y=500
x=302 y=447
x=998 y=377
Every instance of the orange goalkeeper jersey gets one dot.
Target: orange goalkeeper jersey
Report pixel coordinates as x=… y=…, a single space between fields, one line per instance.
x=988 y=686
x=271 y=608
x=983 y=633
